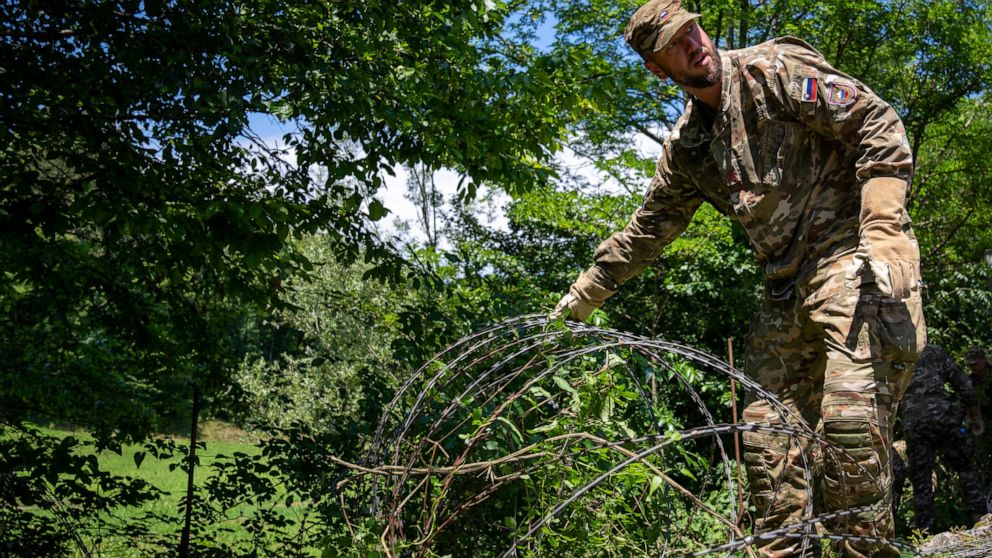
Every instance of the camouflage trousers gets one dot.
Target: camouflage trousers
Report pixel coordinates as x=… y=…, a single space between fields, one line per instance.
x=838 y=355
x=924 y=441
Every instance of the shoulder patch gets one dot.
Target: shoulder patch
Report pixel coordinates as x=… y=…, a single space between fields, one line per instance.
x=807 y=90
x=842 y=94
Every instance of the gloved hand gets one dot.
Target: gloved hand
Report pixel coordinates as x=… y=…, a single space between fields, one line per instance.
x=572 y=308
x=586 y=294
x=892 y=256
x=973 y=419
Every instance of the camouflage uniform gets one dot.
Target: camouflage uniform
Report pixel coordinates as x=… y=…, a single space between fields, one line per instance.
x=899 y=474
x=983 y=452
x=933 y=422
x=786 y=154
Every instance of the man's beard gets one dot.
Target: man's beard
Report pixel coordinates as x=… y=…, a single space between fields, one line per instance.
x=712 y=77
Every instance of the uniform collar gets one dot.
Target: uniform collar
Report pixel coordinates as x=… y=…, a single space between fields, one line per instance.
x=725 y=93
x=695 y=131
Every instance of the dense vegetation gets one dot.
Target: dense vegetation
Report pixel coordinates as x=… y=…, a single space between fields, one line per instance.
x=159 y=257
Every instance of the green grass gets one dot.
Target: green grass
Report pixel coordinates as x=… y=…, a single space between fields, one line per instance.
x=219 y=440
x=157 y=471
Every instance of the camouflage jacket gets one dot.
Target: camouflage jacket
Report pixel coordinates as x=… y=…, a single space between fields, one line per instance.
x=786 y=154
x=927 y=400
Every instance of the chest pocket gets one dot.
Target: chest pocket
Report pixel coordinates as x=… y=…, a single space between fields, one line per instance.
x=771 y=151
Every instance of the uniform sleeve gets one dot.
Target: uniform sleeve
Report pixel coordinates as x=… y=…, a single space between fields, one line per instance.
x=840 y=107
x=962 y=384
x=671 y=200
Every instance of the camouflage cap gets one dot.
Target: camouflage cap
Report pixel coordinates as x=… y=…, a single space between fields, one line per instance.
x=975 y=354
x=654 y=24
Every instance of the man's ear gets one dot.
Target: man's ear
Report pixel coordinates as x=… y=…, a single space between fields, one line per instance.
x=656 y=70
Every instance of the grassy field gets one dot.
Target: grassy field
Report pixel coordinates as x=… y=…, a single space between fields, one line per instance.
x=219 y=440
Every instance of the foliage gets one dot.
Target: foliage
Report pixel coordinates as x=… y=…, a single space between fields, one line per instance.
x=145 y=222
x=55 y=497
x=142 y=215
x=952 y=208
x=68 y=497
x=156 y=233
x=521 y=424
x=314 y=361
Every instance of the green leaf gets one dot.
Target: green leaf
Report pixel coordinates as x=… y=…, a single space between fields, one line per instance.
x=553 y=425
x=563 y=384
x=656 y=483
x=606 y=411
x=513 y=428
x=377 y=210
x=540 y=392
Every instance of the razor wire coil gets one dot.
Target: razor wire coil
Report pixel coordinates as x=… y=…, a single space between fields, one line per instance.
x=433 y=459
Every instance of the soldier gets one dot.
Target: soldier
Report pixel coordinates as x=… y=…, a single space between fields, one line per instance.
x=899 y=474
x=933 y=422
x=815 y=167
x=978 y=361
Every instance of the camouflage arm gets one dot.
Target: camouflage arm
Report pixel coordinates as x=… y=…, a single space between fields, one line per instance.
x=668 y=206
x=842 y=108
x=962 y=384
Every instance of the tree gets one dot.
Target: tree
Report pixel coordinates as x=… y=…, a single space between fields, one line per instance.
x=142 y=216
x=323 y=360
x=144 y=221
x=422 y=192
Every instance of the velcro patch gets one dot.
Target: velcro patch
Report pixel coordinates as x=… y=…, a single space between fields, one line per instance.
x=842 y=94
x=663 y=21
x=807 y=91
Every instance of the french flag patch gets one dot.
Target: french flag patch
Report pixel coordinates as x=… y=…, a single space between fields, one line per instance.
x=809 y=90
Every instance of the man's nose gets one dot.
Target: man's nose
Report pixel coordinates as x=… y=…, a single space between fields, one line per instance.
x=691 y=43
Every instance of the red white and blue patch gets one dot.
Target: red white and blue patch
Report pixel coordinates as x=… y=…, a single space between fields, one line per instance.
x=808 y=90
x=663 y=20
x=842 y=94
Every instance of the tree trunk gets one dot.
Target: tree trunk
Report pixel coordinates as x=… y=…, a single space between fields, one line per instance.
x=184 y=538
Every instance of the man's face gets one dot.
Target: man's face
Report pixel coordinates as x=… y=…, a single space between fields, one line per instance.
x=689 y=59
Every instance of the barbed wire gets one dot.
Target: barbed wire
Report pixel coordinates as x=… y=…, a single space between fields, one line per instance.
x=504 y=406
x=974 y=543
